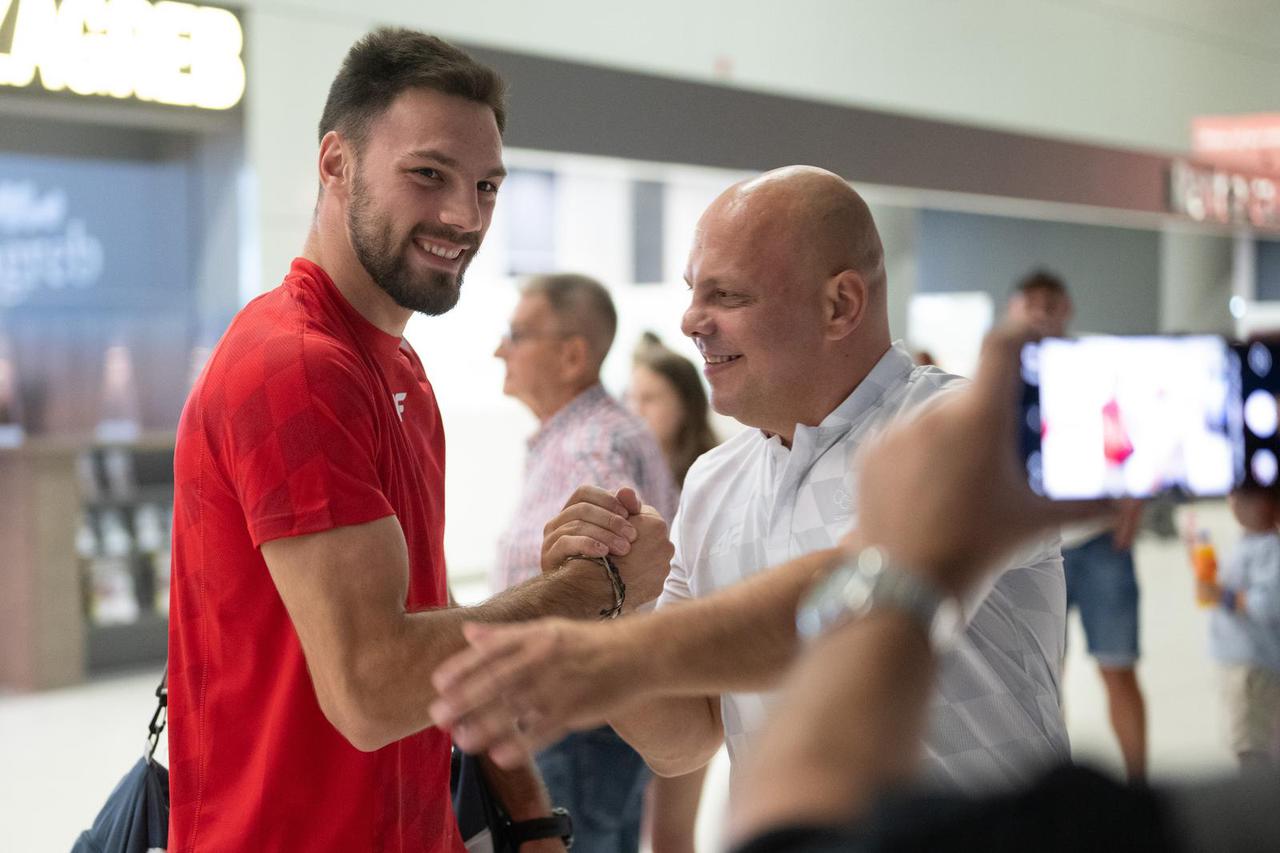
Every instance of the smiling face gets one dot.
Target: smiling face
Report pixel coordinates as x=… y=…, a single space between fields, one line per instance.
x=422 y=196
x=755 y=313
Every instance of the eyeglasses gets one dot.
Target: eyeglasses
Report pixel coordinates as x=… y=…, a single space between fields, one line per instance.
x=515 y=337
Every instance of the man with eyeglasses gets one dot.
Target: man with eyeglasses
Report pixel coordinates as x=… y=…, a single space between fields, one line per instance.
x=560 y=333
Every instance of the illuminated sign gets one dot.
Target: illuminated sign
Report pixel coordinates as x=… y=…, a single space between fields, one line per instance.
x=165 y=52
x=1230 y=198
x=1249 y=143
x=42 y=247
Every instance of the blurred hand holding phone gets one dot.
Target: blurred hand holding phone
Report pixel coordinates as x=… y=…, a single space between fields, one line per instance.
x=1109 y=416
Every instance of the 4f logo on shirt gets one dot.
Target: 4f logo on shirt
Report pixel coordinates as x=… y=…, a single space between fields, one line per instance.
x=399 y=400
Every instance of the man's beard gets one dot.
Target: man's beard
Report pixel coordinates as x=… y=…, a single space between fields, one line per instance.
x=429 y=292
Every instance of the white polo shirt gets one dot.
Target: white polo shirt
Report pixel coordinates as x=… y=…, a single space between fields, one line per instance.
x=752 y=503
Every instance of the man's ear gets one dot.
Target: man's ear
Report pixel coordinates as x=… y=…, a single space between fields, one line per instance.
x=844 y=301
x=336 y=163
x=575 y=357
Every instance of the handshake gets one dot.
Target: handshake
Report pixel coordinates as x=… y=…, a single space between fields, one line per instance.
x=523 y=686
x=595 y=524
x=950 y=517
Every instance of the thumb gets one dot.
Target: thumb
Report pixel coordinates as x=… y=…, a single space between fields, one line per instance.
x=629 y=499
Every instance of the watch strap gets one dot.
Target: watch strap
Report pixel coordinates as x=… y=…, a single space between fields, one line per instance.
x=867 y=582
x=556 y=825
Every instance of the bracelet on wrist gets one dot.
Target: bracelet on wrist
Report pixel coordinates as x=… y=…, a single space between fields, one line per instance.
x=615 y=581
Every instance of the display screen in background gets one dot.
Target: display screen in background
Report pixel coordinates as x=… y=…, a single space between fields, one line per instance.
x=1131 y=416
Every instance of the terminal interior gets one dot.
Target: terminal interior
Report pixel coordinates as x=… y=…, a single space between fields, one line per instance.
x=990 y=138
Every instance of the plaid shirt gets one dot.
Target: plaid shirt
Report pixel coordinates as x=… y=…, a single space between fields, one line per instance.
x=592 y=440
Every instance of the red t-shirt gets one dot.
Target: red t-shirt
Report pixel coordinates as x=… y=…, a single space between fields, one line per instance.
x=307 y=418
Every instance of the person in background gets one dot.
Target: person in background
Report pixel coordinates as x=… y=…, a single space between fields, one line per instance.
x=666 y=391
x=1244 y=629
x=944 y=497
x=561 y=332
x=1097 y=557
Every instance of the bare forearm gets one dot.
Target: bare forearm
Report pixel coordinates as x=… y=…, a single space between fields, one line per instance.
x=741 y=638
x=684 y=656
x=674 y=734
x=393 y=674
x=851 y=724
x=520 y=790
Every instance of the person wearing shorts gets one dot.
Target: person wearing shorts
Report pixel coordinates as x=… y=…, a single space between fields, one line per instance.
x=1103 y=586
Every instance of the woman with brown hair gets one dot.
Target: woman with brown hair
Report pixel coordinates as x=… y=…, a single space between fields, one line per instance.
x=666 y=391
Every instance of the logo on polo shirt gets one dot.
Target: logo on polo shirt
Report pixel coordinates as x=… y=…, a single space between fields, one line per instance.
x=399 y=400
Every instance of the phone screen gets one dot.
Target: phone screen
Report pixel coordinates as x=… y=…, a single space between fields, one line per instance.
x=1110 y=416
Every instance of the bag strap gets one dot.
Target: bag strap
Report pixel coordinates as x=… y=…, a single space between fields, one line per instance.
x=160 y=717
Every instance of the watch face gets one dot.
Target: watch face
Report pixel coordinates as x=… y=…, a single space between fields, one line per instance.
x=865 y=582
x=842 y=593
x=948 y=625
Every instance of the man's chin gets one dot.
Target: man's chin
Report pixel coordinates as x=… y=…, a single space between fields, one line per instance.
x=432 y=297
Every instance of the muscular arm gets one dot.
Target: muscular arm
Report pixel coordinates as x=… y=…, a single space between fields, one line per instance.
x=742 y=638
x=369 y=658
x=656 y=677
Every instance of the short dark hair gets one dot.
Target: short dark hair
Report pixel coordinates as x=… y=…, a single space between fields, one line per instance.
x=1040 y=279
x=583 y=304
x=389 y=61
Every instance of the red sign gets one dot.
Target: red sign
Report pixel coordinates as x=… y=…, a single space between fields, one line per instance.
x=1249 y=143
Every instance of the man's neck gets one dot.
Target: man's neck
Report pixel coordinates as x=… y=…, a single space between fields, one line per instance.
x=545 y=410
x=827 y=397
x=334 y=255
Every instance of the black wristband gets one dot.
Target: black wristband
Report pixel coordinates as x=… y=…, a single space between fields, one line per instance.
x=557 y=825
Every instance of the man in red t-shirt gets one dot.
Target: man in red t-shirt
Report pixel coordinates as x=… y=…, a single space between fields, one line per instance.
x=309 y=598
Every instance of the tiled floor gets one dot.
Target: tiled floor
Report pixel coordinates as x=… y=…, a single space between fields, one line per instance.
x=62 y=751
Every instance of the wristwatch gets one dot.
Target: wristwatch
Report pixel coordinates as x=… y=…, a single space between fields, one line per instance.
x=558 y=825
x=868 y=581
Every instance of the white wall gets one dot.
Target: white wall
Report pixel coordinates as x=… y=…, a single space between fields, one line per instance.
x=1125 y=72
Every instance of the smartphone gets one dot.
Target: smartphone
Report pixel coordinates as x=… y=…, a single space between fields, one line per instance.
x=1110 y=416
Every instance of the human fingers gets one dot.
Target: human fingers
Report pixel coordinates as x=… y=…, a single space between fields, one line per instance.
x=577 y=519
x=629 y=499
x=590 y=514
x=600 y=497
x=499 y=726
x=580 y=538
x=492 y=667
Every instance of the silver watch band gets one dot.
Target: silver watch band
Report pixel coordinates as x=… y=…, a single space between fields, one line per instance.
x=867 y=581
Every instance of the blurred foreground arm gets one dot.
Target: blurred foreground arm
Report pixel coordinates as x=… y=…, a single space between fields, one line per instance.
x=655 y=676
